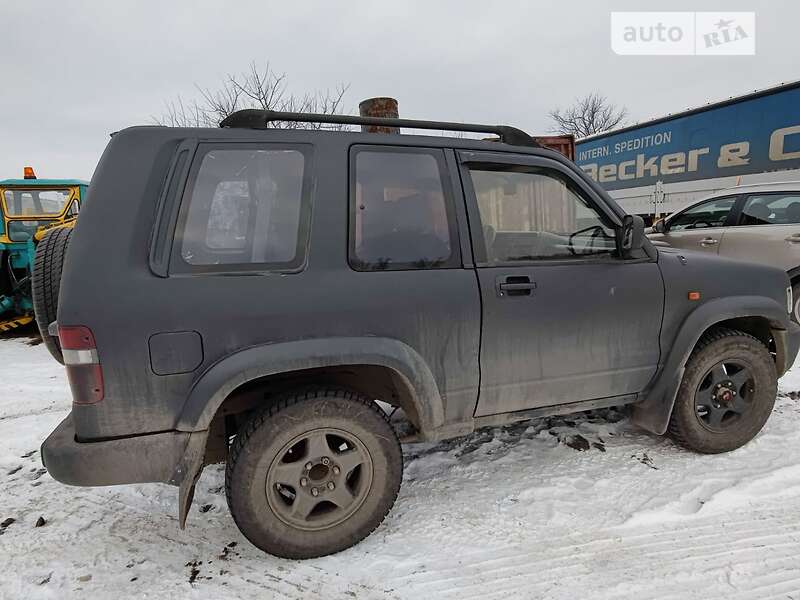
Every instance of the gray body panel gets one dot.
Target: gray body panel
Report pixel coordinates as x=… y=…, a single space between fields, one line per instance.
x=531 y=356
x=225 y=376
x=729 y=289
x=776 y=245
x=697 y=240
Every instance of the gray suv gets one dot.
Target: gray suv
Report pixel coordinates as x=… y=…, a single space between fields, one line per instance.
x=757 y=223
x=247 y=295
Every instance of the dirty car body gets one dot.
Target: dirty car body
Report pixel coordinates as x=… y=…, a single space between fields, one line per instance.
x=484 y=317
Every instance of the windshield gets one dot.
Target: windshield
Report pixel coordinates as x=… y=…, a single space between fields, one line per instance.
x=21 y=203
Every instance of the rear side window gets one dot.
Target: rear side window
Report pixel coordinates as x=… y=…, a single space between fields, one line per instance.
x=245 y=208
x=401 y=210
x=771 y=209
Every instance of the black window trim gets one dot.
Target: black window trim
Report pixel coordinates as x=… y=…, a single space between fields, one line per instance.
x=162 y=234
x=180 y=268
x=498 y=160
x=448 y=189
x=745 y=197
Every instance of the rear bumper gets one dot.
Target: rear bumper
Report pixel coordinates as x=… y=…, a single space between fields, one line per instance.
x=787 y=344
x=139 y=459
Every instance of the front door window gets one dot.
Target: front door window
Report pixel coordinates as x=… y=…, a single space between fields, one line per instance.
x=712 y=213
x=536 y=214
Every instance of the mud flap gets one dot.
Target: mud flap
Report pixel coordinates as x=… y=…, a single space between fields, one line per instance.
x=188 y=472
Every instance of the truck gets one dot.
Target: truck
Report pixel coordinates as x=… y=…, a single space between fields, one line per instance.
x=666 y=164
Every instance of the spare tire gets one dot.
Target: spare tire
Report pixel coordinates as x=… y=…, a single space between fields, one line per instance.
x=47 y=267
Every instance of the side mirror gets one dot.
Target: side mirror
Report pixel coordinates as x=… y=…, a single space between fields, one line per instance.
x=660 y=226
x=630 y=235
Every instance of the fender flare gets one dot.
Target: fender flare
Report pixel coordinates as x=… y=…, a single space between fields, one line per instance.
x=655 y=410
x=227 y=374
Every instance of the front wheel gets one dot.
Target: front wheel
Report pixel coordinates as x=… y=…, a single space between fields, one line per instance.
x=313 y=474
x=727 y=393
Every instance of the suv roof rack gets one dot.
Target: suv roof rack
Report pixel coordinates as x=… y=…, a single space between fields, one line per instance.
x=252 y=118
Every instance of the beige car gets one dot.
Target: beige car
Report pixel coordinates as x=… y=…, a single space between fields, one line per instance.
x=758 y=223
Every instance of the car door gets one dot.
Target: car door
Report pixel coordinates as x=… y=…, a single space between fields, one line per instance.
x=767 y=231
x=564 y=319
x=701 y=227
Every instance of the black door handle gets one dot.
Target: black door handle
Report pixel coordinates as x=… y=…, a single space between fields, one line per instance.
x=515 y=286
x=512 y=287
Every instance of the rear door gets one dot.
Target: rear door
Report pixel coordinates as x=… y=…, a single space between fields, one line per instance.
x=701 y=227
x=767 y=231
x=564 y=319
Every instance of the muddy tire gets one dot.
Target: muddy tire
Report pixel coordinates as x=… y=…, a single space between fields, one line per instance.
x=313 y=474
x=796 y=302
x=47 y=266
x=727 y=393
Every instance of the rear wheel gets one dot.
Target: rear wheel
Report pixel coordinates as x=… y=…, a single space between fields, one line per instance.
x=727 y=393
x=47 y=267
x=313 y=474
x=796 y=301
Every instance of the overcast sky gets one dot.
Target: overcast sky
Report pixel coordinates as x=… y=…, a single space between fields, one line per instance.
x=72 y=72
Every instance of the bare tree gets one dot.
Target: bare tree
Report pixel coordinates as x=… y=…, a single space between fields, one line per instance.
x=590 y=114
x=255 y=88
x=178 y=113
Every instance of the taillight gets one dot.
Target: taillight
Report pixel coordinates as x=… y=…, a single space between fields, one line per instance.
x=83 y=365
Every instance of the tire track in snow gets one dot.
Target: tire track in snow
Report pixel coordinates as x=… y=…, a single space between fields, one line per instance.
x=523 y=571
x=517 y=516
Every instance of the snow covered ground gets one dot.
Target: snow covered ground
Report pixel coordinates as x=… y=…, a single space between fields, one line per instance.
x=577 y=507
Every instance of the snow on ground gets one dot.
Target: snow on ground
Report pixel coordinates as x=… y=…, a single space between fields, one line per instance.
x=578 y=507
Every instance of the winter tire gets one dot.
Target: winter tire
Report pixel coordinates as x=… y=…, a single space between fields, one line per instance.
x=313 y=474
x=727 y=393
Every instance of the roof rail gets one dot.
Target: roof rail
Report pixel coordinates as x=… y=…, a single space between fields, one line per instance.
x=252 y=118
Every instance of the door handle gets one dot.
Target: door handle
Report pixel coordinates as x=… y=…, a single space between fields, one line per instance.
x=794 y=238
x=708 y=241
x=514 y=286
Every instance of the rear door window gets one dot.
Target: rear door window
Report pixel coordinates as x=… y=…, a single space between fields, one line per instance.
x=401 y=210
x=771 y=209
x=246 y=208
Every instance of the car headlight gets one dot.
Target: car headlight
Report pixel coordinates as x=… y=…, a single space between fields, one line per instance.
x=789 y=300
